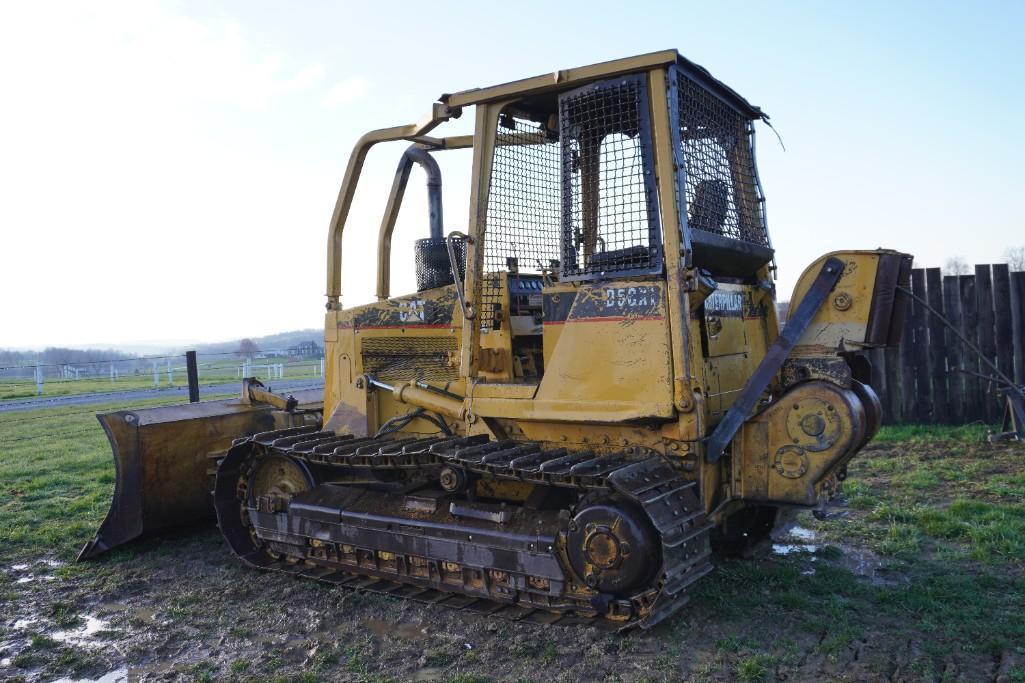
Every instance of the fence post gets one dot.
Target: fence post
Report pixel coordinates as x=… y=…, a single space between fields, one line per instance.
x=920 y=409
x=1002 y=319
x=987 y=337
x=193 y=374
x=937 y=348
x=955 y=379
x=170 y=374
x=156 y=375
x=39 y=379
x=970 y=329
x=1018 y=324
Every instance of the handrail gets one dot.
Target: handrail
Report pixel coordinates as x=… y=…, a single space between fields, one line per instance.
x=468 y=312
x=439 y=114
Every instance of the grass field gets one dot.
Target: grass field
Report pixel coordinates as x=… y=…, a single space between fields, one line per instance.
x=923 y=579
x=210 y=372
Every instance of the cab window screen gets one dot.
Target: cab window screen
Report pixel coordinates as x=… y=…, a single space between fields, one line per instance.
x=609 y=215
x=720 y=179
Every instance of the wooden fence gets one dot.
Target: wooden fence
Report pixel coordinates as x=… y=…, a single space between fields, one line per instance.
x=933 y=377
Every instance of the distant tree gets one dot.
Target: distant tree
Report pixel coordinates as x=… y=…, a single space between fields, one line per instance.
x=247 y=347
x=1015 y=257
x=956 y=266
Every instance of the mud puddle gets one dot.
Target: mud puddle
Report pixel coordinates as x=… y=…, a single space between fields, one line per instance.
x=25 y=573
x=85 y=635
x=793 y=539
x=797 y=539
x=116 y=676
x=405 y=631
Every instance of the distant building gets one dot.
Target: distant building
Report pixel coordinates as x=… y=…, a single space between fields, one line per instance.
x=308 y=349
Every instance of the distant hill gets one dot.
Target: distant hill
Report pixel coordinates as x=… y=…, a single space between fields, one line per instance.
x=272 y=342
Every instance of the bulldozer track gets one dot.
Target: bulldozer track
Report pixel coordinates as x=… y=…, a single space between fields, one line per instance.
x=647 y=481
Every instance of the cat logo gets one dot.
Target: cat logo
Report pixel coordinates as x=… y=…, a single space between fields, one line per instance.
x=412 y=311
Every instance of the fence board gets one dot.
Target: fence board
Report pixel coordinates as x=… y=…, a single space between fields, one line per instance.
x=1018 y=324
x=891 y=397
x=906 y=368
x=937 y=348
x=987 y=335
x=1002 y=318
x=970 y=329
x=955 y=380
x=922 y=403
x=933 y=377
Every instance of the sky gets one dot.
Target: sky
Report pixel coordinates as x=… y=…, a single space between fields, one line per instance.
x=169 y=169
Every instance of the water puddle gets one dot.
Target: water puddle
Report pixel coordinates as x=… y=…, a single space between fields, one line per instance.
x=793 y=540
x=792 y=548
x=381 y=627
x=85 y=636
x=116 y=676
x=866 y=563
x=30 y=575
x=802 y=534
x=30 y=579
x=859 y=561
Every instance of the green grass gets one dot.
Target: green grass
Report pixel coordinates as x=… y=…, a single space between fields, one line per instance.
x=939 y=505
x=927 y=489
x=970 y=433
x=944 y=509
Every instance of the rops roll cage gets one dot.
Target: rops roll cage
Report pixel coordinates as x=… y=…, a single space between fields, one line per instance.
x=489 y=104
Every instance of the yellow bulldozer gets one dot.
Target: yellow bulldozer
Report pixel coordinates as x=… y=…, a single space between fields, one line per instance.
x=588 y=392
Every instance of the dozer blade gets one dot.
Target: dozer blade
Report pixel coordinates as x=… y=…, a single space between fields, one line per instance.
x=163 y=466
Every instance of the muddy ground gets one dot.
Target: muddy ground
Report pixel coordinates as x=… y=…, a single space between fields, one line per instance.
x=818 y=604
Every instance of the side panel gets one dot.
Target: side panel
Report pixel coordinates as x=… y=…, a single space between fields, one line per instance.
x=734 y=337
x=613 y=346
x=409 y=337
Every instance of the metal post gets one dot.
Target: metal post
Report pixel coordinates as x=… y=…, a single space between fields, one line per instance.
x=193 y=374
x=112 y=373
x=321 y=368
x=39 y=379
x=156 y=375
x=170 y=374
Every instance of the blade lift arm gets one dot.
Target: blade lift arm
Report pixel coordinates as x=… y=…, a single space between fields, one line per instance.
x=796 y=325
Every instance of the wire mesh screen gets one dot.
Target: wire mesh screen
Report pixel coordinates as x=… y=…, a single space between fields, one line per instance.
x=721 y=182
x=433 y=266
x=609 y=219
x=522 y=221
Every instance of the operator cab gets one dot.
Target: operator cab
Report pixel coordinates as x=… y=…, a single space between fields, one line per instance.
x=572 y=211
